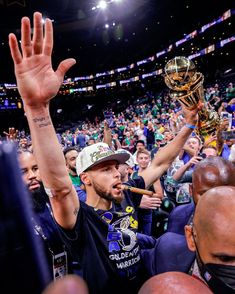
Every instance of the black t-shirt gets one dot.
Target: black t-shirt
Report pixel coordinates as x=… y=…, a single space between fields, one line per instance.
x=106 y=246
x=47 y=230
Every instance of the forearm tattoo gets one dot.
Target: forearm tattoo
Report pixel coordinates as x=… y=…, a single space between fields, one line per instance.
x=42 y=122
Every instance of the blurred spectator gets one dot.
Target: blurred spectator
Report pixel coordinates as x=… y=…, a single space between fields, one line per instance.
x=70 y=284
x=208 y=173
x=230 y=92
x=139 y=145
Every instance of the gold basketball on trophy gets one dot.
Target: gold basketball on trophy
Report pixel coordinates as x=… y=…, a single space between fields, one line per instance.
x=186 y=86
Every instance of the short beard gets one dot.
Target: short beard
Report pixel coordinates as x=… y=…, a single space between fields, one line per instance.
x=106 y=195
x=73 y=169
x=39 y=198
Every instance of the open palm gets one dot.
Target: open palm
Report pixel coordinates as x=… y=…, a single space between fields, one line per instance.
x=36 y=80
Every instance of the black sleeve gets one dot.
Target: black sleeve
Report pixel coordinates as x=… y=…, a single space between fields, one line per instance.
x=73 y=238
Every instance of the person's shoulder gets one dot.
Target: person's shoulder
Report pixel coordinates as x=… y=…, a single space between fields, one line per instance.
x=187 y=208
x=171 y=240
x=173 y=253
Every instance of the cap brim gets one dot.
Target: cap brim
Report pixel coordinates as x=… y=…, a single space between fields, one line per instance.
x=119 y=157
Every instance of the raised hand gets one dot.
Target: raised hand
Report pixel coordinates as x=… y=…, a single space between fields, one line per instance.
x=12 y=134
x=36 y=80
x=194 y=160
x=191 y=116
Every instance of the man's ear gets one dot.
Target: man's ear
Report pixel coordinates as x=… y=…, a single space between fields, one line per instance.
x=189 y=238
x=85 y=178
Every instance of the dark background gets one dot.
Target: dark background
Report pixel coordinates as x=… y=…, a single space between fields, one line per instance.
x=142 y=28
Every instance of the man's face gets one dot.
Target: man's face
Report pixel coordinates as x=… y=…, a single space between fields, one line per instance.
x=123 y=170
x=140 y=146
x=210 y=152
x=193 y=143
x=30 y=171
x=215 y=244
x=230 y=142
x=150 y=126
x=71 y=160
x=23 y=143
x=211 y=233
x=106 y=180
x=143 y=160
x=91 y=142
x=167 y=136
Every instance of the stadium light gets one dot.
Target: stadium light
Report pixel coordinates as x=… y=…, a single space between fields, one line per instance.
x=102 y=4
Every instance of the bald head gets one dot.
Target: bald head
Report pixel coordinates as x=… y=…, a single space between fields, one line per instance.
x=212 y=172
x=214 y=167
x=215 y=211
x=70 y=284
x=213 y=225
x=174 y=282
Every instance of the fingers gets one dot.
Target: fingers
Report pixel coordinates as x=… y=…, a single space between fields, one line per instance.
x=64 y=66
x=38 y=33
x=48 y=40
x=155 y=203
x=14 y=48
x=195 y=161
x=26 y=44
x=38 y=45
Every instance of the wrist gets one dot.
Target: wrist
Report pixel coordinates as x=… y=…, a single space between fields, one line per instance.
x=191 y=126
x=36 y=108
x=32 y=112
x=188 y=165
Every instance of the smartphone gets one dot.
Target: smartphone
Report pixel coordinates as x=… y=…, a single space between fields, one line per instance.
x=22 y=260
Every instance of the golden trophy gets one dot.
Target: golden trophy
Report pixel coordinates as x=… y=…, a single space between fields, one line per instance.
x=186 y=86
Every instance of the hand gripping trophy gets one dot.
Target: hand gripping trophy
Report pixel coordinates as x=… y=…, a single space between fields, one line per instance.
x=186 y=86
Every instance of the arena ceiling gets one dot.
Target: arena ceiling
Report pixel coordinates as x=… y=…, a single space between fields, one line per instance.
x=102 y=39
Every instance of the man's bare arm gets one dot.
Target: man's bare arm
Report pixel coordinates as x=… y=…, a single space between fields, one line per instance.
x=164 y=158
x=38 y=83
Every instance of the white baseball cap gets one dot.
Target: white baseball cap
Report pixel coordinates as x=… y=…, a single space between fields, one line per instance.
x=95 y=154
x=130 y=161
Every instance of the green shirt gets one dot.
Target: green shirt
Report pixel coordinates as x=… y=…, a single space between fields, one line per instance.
x=75 y=180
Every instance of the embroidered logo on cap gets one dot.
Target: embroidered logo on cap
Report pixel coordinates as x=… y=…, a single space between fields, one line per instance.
x=102 y=152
